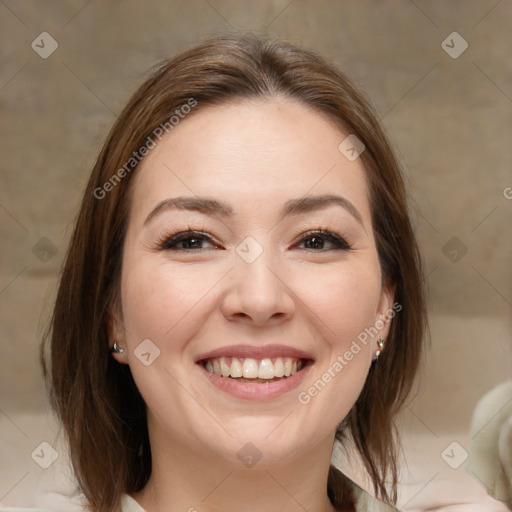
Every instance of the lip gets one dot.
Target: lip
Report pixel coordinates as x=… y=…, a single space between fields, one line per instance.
x=260 y=391
x=262 y=352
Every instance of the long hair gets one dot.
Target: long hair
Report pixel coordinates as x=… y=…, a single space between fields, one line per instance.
x=95 y=398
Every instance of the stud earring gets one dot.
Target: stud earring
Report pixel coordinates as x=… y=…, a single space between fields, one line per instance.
x=116 y=350
x=380 y=344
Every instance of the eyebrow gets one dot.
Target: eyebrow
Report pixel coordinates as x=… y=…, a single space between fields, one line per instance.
x=311 y=203
x=210 y=206
x=198 y=204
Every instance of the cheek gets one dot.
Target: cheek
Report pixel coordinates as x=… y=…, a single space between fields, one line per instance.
x=344 y=304
x=167 y=305
x=344 y=300
x=162 y=301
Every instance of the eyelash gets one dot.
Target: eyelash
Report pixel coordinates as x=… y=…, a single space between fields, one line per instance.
x=170 y=242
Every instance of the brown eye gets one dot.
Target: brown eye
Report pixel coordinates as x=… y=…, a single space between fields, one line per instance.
x=323 y=241
x=187 y=241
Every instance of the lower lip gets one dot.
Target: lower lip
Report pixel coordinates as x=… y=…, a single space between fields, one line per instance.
x=257 y=391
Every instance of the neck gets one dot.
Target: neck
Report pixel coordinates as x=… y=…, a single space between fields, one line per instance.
x=191 y=481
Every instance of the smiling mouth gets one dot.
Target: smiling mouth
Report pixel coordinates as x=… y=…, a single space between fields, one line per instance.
x=256 y=371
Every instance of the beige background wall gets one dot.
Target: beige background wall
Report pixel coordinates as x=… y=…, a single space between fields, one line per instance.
x=450 y=119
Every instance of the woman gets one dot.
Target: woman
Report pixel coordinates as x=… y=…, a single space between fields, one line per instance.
x=243 y=287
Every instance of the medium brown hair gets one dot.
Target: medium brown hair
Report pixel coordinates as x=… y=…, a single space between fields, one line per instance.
x=95 y=398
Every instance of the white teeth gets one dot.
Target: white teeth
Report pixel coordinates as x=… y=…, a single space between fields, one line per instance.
x=224 y=367
x=287 y=367
x=279 y=367
x=236 y=368
x=266 y=369
x=249 y=368
x=216 y=367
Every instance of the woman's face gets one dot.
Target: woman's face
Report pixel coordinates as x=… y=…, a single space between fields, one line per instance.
x=250 y=254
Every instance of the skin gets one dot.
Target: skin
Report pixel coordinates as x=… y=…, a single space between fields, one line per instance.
x=254 y=156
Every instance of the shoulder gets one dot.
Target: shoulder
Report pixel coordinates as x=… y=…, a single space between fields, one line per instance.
x=367 y=503
x=359 y=500
x=130 y=505
x=364 y=503
x=18 y=509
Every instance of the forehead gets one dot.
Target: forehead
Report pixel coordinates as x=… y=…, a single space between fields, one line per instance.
x=261 y=151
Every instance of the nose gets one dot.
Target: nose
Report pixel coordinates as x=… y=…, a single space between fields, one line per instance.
x=258 y=294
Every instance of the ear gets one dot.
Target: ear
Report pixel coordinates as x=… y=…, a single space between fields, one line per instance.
x=386 y=310
x=116 y=331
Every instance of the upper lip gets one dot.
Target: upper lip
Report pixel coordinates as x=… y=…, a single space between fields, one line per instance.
x=260 y=352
